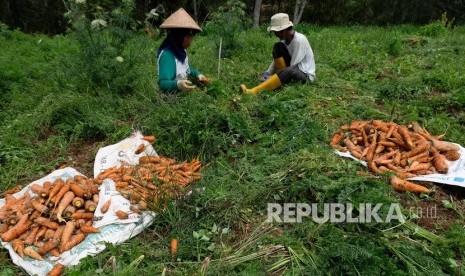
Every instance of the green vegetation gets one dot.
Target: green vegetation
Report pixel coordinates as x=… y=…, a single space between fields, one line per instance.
x=256 y=149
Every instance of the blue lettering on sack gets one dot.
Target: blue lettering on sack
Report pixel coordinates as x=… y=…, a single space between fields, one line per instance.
x=459 y=179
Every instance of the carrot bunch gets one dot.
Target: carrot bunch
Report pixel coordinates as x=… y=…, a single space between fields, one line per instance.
x=154 y=180
x=50 y=218
x=405 y=150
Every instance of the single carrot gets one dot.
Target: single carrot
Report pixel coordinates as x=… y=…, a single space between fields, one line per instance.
x=444 y=146
x=82 y=215
x=69 y=210
x=57 y=270
x=140 y=149
x=75 y=240
x=89 y=229
x=452 y=155
x=55 y=252
x=90 y=206
x=121 y=214
x=49 y=245
x=78 y=202
x=96 y=198
x=149 y=138
x=106 y=206
x=106 y=173
x=336 y=139
x=439 y=161
x=78 y=189
x=65 y=201
x=46 y=222
x=58 y=183
x=60 y=194
x=39 y=206
x=173 y=247
x=49 y=234
x=18 y=247
x=402 y=185
x=422 y=147
x=66 y=235
x=29 y=251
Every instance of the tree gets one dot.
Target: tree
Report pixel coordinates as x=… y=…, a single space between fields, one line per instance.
x=256 y=13
x=298 y=10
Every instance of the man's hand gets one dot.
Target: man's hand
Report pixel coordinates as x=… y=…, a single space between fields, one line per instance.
x=185 y=85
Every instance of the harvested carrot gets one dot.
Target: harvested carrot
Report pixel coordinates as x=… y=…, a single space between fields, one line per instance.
x=39 y=206
x=66 y=235
x=77 y=189
x=439 y=161
x=58 y=183
x=90 y=206
x=106 y=206
x=149 y=138
x=82 y=215
x=337 y=138
x=60 y=194
x=174 y=247
x=444 y=146
x=30 y=252
x=46 y=222
x=452 y=155
x=57 y=270
x=75 y=240
x=140 y=149
x=69 y=210
x=402 y=185
x=49 y=245
x=95 y=198
x=121 y=214
x=78 y=202
x=18 y=247
x=65 y=201
x=89 y=229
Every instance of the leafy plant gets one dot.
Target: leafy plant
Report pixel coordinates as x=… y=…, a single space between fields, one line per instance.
x=106 y=57
x=227 y=23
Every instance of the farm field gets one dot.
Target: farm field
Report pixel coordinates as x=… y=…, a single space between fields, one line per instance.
x=59 y=105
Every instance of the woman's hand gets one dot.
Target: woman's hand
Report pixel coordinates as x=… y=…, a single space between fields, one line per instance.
x=204 y=79
x=185 y=85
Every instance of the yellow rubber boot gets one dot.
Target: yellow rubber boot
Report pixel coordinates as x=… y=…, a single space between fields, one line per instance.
x=270 y=84
x=279 y=64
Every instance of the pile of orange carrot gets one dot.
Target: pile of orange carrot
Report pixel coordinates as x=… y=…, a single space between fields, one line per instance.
x=50 y=218
x=404 y=150
x=152 y=182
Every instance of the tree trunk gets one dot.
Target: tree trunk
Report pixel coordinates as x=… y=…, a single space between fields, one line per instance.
x=298 y=10
x=256 y=13
x=195 y=11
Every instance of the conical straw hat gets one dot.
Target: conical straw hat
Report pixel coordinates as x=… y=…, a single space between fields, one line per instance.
x=180 y=19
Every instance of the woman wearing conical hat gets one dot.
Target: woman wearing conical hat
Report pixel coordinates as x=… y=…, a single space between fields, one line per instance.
x=173 y=63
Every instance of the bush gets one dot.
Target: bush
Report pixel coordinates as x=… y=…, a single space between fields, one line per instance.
x=106 y=57
x=227 y=23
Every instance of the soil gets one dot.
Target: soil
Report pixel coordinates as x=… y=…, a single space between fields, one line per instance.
x=440 y=210
x=81 y=157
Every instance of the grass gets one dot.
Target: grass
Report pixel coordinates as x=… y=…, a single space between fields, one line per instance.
x=257 y=149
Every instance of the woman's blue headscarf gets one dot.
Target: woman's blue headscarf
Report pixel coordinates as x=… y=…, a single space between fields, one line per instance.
x=173 y=43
